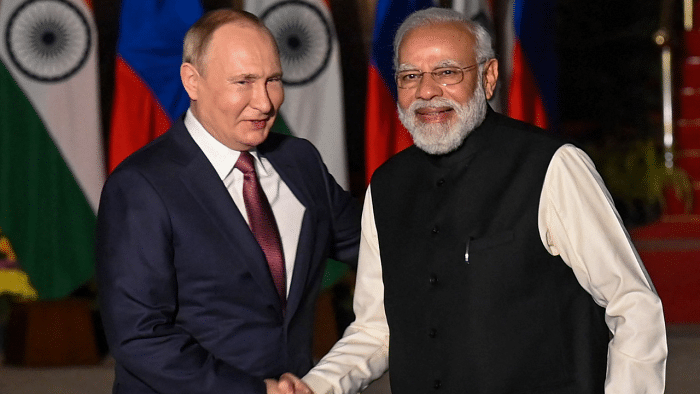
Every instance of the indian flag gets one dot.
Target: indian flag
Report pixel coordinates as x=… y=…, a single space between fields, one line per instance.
x=51 y=157
x=313 y=87
x=310 y=54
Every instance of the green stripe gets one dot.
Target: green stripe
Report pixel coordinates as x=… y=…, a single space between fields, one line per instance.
x=43 y=212
x=280 y=126
x=335 y=270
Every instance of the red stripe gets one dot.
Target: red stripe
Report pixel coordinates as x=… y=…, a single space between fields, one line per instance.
x=524 y=99
x=137 y=117
x=384 y=133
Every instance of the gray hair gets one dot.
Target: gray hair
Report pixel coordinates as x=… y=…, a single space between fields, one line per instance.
x=484 y=44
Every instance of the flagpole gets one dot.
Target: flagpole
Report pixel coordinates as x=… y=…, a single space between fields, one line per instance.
x=662 y=39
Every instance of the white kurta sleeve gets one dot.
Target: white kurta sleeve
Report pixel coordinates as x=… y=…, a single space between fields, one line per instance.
x=362 y=354
x=578 y=220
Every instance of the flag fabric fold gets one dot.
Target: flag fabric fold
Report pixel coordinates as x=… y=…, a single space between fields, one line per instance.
x=148 y=94
x=476 y=10
x=313 y=102
x=384 y=133
x=51 y=151
x=310 y=55
x=530 y=64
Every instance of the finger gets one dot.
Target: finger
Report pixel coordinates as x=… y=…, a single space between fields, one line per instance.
x=299 y=386
x=285 y=386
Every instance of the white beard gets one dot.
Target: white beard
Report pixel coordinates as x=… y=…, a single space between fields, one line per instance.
x=437 y=138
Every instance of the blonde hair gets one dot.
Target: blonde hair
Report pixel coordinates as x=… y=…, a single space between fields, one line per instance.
x=199 y=36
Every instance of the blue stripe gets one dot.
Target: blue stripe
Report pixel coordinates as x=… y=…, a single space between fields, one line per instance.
x=150 y=41
x=389 y=16
x=535 y=27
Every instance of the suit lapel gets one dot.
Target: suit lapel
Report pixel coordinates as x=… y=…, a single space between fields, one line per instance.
x=293 y=176
x=202 y=181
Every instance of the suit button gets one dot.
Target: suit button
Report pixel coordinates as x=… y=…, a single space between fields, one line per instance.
x=432 y=333
x=440 y=182
x=436 y=230
x=437 y=384
x=433 y=279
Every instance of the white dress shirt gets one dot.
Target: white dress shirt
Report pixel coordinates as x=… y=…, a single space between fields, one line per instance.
x=577 y=220
x=287 y=209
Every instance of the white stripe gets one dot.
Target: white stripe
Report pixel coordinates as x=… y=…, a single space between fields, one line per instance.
x=471 y=8
x=315 y=111
x=69 y=109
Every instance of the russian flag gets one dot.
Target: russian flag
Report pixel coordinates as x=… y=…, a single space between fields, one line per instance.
x=531 y=66
x=384 y=133
x=148 y=94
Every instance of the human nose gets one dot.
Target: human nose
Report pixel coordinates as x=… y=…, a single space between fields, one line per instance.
x=427 y=87
x=261 y=98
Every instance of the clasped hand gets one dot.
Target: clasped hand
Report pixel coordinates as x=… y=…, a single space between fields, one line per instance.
x=287 y=384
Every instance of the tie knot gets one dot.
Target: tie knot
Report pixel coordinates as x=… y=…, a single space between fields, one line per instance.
x=246 y=163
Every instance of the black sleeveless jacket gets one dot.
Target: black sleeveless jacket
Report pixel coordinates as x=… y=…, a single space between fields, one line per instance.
x=513 y=319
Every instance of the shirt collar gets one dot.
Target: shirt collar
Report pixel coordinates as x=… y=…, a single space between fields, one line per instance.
x=221 y=157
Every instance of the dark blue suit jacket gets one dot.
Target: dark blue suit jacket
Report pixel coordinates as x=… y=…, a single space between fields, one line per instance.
x=186 y=297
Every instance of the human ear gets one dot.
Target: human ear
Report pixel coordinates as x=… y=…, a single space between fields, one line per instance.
x=190 y=79
x=490 y=77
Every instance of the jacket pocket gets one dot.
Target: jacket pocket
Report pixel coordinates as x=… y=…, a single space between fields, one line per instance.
x=490 y=241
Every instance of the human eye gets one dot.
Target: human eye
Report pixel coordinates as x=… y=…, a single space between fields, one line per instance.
x=276 y=80
x=446 y=72
x=408 y=76
x=241 y=82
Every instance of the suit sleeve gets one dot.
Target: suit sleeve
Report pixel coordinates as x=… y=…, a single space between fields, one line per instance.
x=138 y=296
x=578 y=220
x=346 y=213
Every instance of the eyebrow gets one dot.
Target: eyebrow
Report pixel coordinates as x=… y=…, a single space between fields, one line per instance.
x=443 y=63
x=250 y=77
x=243 y=76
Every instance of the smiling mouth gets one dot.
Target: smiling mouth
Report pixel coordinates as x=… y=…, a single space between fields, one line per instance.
x=434 y=115
x=258 y=124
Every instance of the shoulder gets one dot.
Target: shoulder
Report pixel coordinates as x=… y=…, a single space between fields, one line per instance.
x=276 y=142
x=287 y=149
x=517 y=131
x=159 y=158
x=406 y=159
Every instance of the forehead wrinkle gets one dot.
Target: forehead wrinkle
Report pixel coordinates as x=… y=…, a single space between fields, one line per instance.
x=447 y=63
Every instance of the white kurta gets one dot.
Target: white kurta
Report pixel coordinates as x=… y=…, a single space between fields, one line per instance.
x=578 y=221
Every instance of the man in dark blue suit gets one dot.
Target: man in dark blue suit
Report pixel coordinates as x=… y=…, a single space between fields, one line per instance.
x=193 y=300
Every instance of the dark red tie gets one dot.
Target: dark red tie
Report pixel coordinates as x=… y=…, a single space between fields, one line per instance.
x=262 y=223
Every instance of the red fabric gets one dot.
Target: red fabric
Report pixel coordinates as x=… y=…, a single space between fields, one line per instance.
x=263 y=223
x=137 y=117
x=384 y=134
x=670 y=251
x=524 y=99
x=676 y=276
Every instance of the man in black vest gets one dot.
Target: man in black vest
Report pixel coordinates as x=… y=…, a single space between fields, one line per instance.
x=492 y=259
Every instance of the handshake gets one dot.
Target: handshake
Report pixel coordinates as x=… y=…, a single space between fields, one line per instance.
x=287 y=384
